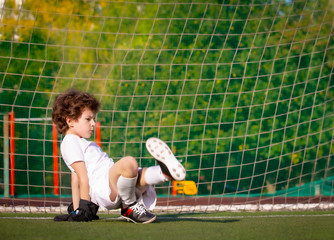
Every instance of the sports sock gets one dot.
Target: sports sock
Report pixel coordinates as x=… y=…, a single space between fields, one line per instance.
x=126 y=190
x=154 y=175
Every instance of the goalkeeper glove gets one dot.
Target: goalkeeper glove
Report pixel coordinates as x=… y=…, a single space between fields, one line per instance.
x=64 y=217
x=60 y=218
x=86 y=212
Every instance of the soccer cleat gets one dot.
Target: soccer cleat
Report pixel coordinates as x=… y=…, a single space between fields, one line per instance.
x=170 y=166
x=137 y=213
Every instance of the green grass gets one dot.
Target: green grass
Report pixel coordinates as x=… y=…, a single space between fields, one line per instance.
x=243 y=225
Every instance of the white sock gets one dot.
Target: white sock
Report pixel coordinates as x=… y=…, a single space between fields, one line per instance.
x=154 y=175
x=126 y=190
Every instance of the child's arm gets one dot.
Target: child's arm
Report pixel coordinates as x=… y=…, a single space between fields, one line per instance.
x=82 y=181
x=85 y=210
x=75 y=190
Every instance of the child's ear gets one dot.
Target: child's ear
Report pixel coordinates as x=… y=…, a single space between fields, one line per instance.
x=69 y=122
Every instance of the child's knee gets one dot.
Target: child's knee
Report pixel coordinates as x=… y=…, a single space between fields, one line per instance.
x=130 y=163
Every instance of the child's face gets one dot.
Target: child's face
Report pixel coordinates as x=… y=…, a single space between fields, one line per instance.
x=82 y=127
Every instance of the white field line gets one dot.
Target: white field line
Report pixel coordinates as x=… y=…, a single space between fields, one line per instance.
x=190 y=209
x=187 y=218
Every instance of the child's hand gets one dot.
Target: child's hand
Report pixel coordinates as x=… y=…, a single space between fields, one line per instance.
x=86 y=212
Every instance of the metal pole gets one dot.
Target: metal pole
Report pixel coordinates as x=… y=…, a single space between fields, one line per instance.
x=55 y=160
x=12 y=157
x=6 y=155
x=98 y=134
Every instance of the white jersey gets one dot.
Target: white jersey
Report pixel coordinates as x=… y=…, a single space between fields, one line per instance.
x=98 y=163
x=74 y=149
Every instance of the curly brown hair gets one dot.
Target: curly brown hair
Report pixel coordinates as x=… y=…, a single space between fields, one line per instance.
x=71 y=104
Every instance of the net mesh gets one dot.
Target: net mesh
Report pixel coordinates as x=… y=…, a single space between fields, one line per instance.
x=242 y=92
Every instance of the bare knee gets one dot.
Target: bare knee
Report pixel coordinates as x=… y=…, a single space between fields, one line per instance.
x=130 y=161
x=129 y=166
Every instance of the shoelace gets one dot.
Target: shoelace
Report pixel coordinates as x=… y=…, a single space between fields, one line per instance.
x=139 y=209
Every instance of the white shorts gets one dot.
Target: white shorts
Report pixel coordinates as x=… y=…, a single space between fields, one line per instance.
x=100 y=192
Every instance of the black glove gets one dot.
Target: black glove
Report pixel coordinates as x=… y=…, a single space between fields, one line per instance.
x=62 y=218
x=86 y=212
x=94 y=209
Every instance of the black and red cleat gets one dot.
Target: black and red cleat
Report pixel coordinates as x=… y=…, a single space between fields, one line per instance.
x=137 y=213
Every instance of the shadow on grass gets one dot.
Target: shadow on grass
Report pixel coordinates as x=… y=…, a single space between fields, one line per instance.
x=194 y=217
x=180 y=218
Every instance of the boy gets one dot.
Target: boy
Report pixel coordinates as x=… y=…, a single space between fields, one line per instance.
x=96 y=181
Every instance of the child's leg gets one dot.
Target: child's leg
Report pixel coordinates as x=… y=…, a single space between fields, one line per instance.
x=123 y=179
x=150 y=176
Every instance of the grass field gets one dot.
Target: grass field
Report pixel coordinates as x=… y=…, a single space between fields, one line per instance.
x=223 y=225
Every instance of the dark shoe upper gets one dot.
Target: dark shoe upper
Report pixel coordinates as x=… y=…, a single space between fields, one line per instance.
x=137 y=213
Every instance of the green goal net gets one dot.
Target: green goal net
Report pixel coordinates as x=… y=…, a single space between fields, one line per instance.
x=241 y=91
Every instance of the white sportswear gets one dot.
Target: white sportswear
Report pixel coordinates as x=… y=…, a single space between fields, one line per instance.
x=98 y=163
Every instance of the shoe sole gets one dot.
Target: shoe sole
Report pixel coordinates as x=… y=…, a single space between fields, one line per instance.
x=131 y=220
x=170 y=166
